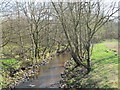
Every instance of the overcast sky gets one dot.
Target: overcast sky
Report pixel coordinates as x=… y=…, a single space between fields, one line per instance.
x=107 y=2
x=66 y=0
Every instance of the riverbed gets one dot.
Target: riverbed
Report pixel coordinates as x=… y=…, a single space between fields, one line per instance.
x=49 y=75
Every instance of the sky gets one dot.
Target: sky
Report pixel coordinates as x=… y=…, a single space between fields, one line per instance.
x=107 y=2
x=66 y=0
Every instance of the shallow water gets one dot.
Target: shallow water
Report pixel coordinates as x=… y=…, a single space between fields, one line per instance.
x=49 y=75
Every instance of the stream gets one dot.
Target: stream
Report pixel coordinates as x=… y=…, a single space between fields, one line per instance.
x=49 y=75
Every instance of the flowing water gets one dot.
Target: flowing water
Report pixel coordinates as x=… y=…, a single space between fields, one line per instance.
x=49 y=75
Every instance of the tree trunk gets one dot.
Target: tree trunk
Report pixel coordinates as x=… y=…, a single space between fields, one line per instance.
x=36 y=52
x=88 y=59
x=77 y=61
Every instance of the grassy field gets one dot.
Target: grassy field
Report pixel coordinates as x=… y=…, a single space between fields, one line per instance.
x=104 y=72
x=105 y=65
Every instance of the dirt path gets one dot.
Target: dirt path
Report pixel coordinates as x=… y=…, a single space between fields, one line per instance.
x=113 y=46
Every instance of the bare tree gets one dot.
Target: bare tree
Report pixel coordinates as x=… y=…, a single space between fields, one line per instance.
x=80 y=22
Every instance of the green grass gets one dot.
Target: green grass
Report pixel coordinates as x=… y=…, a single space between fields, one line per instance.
x=5 y=69
x=104 y=72
x=10 y=63
x=14 y=64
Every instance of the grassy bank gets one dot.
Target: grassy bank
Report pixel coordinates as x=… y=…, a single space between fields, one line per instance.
x=8 y=66
x=104 y=72
x=12 y=72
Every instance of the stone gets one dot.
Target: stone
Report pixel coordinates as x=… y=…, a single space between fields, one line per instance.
x=31 y=85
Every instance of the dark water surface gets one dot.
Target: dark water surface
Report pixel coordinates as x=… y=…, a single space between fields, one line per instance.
x=49 y=75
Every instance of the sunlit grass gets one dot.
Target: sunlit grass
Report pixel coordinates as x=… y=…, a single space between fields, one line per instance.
x=104 y=72
x=10 y=63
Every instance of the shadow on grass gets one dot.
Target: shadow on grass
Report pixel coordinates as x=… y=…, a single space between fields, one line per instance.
x=105 y=59
x=90 y=84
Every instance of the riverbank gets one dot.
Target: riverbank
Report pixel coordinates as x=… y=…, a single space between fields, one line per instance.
x=104 y=72
x=23 y=74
